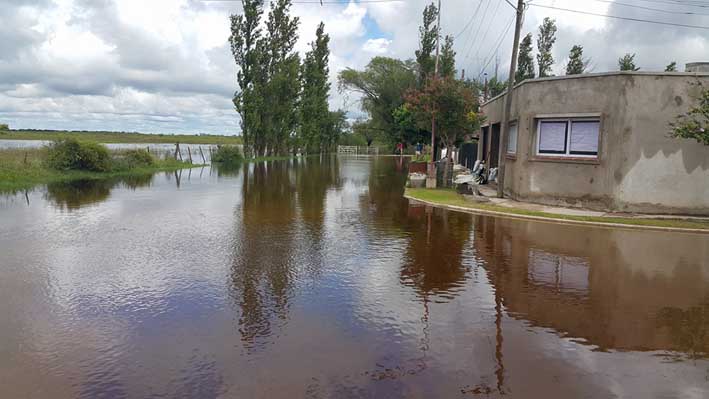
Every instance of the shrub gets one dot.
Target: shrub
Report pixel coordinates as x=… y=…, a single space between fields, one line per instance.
x=71 y=154
x=4 y=128
x=228 y=154
x=131 y=159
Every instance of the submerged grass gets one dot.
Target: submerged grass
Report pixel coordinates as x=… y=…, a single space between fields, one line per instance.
x=450 y=197
x=22 y=169
x=117 y=137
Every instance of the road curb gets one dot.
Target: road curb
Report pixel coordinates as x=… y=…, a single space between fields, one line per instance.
x=556 y=220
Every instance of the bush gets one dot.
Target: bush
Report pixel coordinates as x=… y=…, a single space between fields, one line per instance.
x=71 y=154
x=131 y=159
x=228 y=154
x=4 y=128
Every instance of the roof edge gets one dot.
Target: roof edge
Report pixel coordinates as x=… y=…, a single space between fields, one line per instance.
x=599 y=74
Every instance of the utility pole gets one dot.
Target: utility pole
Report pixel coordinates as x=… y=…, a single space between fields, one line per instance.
x=431 y=180
x=504 y=132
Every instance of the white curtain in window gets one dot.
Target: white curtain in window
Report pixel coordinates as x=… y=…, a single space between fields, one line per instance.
x=584 y=137
x=552 y=137
x=512 y=142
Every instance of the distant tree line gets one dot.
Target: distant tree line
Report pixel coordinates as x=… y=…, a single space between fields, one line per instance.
x=283 y=102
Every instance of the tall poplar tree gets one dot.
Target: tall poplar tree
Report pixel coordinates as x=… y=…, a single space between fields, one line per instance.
x=281 y=113
x=576 y=65
x=525 y=62
x=246 y=47
x=447 y=62
x=545 y=41
x=627 y=63
x=428 y=33
x=316 y=120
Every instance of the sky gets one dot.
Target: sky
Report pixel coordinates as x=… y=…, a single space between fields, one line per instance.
x=164 y=66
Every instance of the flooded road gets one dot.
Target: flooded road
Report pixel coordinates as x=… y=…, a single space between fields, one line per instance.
x=316 y=279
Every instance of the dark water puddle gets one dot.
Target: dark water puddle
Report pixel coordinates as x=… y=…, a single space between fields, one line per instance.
x=315 y=278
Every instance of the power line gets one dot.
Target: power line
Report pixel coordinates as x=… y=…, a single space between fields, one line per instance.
x=474 y=37
x=499 y=43
x=679 y=2
x=623 y=18
x=492 y=19
x=475 y=14
x=649 y=8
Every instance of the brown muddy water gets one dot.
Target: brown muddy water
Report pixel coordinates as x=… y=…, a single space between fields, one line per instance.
x=316 y=279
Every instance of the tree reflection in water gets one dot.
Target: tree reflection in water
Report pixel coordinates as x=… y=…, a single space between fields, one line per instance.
x=282 y=216
x=75 y=194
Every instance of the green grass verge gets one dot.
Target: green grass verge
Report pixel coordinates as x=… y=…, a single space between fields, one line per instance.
x=19 y=173
x=450 y=197
x=117 y=137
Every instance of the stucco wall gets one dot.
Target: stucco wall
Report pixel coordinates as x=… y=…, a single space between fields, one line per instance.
x=639 y=168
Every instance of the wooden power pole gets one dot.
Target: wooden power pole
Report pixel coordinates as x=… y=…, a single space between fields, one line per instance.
x=504 y=132
x=431 y=181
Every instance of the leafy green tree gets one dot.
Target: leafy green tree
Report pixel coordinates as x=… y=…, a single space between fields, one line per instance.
x=495 y=87
x=672 y=67
x=381 y=85
x=447 y=61
x=335 y=128
x=244 y=40
x=454 y=104
x=525 y=62
x=428 y=33
x=577 y=65
x=367 y=131
x=545 y=41
x=627 y=63
x=283 y=88
x=314 y=114
x=695 y=123
x=409 y=131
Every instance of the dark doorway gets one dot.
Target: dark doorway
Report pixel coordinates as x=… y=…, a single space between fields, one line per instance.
x=494 y=146
x=468 y=154
x=485 y=138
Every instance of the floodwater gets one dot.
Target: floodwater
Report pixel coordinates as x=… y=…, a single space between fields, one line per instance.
x=316 y=279
x=197 y=151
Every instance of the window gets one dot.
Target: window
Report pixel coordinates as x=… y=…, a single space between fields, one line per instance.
x=512 y=142
x=568 y=137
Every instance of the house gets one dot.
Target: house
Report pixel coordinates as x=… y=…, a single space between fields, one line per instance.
x=601 y=141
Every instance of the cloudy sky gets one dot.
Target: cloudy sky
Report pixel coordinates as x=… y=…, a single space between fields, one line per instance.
x=164 y=66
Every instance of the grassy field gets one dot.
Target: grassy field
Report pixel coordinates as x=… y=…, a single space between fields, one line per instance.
x=24 y=169
x=117 y=137
x=450 y=197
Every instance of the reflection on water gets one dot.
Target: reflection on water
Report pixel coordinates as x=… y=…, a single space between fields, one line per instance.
x=614 y=289
x=74 y=194
x=315 y=278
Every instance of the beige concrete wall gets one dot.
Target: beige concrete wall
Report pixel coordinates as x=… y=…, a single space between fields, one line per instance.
x=639 y=168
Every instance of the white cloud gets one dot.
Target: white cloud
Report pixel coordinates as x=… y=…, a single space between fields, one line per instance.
x=376 y=46
x=165 y=65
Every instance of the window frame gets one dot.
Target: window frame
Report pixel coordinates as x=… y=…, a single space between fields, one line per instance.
x=512 y=154
x=567 y=154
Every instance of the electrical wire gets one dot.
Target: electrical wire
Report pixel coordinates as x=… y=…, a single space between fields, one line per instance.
x=623 y=18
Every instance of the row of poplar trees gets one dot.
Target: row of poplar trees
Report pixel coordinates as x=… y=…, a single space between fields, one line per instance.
x=283 y=102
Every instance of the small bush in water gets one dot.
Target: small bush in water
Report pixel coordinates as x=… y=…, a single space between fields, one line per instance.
x=131 y=159
x=71 y=154
x=228 y=154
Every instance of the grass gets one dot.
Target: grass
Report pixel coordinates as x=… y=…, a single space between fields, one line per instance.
x=22 y=169
x=450 y=197
x=117 y=137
